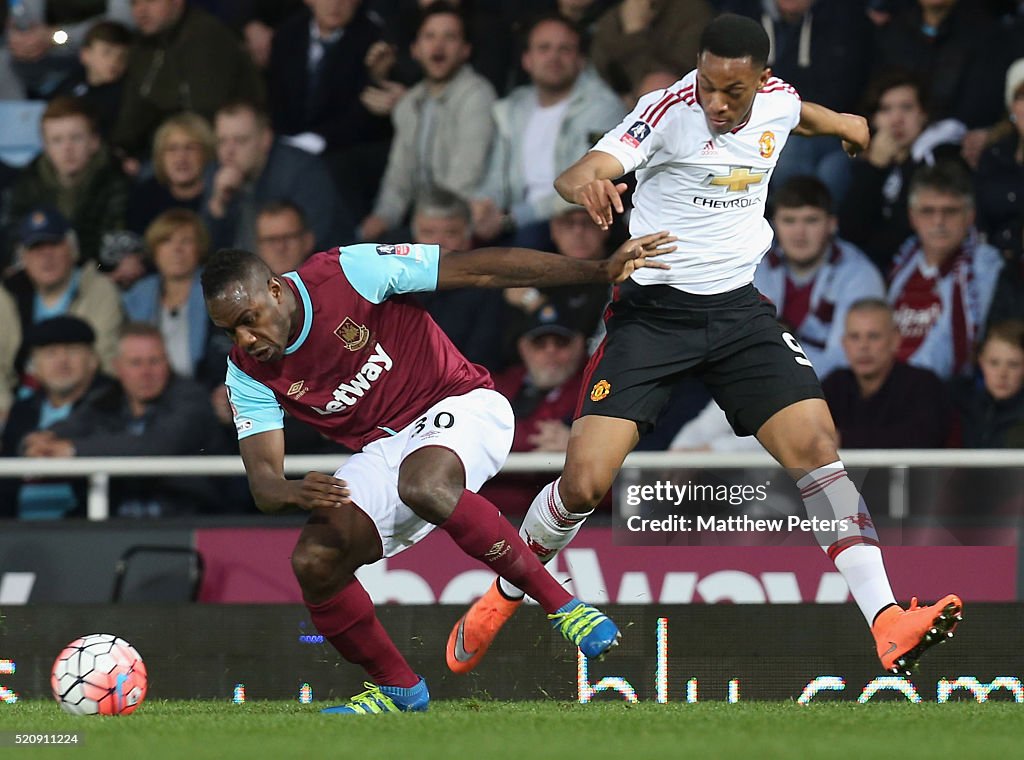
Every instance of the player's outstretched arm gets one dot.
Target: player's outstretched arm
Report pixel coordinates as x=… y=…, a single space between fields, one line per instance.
x=588 y=184
x=263 y=456
x=818 y=121
x=519 y=267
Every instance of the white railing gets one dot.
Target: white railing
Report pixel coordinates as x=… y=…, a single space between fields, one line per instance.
x=99 y=470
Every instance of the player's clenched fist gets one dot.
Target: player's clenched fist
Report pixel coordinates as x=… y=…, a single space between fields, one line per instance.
x=855 y=133
x=318 y=490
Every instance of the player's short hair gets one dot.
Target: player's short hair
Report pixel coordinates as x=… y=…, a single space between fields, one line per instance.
x=441 y=203
x=803 y=190
x=64 y=106
x=230 y=266
x=1009 y=331
x=192 y=124
x=170 y=221
x=235 y=107
x=733 y=36
x=282 y=206
x=439 y=8
x=110 y=32
x=890 y=79
x=950 y=177
x=546 y=18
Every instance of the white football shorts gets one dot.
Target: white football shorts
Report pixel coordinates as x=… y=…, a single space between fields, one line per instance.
x=477 y=427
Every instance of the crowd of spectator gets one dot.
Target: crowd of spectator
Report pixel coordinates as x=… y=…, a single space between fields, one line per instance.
x=167 y=129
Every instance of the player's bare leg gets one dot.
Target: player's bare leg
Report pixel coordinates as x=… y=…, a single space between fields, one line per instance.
x=802 y=438
x=332 y=546
x=431 y=481
x=597 y=447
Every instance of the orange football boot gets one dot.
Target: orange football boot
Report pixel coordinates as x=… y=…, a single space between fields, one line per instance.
x=473 y=635
x=902 y=636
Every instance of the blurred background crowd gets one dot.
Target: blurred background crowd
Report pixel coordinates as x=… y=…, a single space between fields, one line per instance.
x=137 y=136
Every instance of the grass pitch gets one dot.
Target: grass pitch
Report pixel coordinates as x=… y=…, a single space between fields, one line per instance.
x=469 y=729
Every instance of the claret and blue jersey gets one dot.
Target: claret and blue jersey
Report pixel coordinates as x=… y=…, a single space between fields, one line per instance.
x=367 y=359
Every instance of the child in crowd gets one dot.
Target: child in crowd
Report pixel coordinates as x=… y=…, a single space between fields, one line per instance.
x=100 y=78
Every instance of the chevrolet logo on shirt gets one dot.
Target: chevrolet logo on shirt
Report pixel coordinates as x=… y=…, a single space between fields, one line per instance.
x=738 y=180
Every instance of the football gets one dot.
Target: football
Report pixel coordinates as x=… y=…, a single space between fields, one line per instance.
x=99 y=674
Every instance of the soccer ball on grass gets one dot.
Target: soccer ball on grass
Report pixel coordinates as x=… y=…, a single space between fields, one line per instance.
x=99 y=674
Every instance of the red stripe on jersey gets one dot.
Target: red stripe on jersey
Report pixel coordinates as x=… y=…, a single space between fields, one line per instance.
x=688 y=94
x=742 y=124
x=655 y=118
x=774 y=84
x=588 y=375
x=588 y=372
x=654 y=107
x=654 y=113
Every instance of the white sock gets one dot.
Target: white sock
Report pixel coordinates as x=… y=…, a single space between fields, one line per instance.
x=864 y=572
x=547 y=527
x=829 y=494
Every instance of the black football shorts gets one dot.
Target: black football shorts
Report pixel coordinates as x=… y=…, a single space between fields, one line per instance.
x=731 y=341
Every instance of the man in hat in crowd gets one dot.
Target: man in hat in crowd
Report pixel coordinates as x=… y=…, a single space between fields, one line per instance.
x=543 y=389
x=149 y=411
x=63 y=361
x=49 y=283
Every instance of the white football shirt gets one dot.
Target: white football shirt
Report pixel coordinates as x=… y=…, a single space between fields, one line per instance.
x=707 y=189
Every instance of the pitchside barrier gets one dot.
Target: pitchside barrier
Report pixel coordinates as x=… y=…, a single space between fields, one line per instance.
x=898 y=463
x=673 y=653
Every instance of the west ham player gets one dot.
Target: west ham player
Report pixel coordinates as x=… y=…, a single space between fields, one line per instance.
x=337 y=345
x=703 y=151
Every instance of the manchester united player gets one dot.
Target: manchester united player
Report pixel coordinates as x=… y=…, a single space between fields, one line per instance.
x=703 y=151
x=338 y=346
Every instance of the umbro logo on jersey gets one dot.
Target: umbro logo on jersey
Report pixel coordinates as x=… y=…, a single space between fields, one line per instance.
x=738 y=180
x=636 y=134
x=353 y=335
x=297 y=390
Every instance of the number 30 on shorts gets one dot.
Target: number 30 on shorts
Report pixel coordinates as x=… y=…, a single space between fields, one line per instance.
x=801 y=357
x=442 y=420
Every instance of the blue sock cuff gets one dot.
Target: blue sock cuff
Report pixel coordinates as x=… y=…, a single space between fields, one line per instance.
x=569 y=606
x=407 y=691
